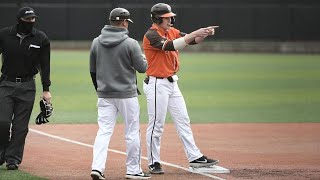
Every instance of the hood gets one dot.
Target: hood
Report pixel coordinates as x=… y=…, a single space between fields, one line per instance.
x=112 y=36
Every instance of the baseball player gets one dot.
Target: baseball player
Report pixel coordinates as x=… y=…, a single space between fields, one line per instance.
x=114 y=60
x=161 y=45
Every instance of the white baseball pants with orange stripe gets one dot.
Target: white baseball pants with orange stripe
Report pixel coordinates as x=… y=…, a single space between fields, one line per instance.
x=108 y=110
x=163 y=95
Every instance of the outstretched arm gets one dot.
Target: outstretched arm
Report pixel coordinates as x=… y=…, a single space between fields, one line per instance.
x=210 y=33
x=194 y=37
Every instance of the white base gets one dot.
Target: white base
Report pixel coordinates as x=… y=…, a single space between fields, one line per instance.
x=210 y=169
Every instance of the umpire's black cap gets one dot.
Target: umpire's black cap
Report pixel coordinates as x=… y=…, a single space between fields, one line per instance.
x=118 y=14
x=26 y=12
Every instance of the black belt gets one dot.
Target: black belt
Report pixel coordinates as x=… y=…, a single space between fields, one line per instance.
x=170 y=79
x=16 y=79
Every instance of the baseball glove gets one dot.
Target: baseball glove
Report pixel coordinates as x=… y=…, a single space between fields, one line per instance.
x=46 y=111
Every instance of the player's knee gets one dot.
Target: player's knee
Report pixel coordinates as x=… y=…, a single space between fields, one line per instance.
x=157 y=132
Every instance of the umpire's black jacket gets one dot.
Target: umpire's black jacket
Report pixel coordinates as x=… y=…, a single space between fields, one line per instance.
x=25 y=56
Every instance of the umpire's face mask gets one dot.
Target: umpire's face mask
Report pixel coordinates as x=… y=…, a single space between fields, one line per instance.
x=24 y=26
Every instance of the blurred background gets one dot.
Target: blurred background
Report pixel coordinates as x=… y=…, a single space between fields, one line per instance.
x=245 y=25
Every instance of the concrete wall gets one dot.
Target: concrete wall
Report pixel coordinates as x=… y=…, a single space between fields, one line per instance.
x=239 y=20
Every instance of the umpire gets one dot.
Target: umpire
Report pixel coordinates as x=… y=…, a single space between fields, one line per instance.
x=25 y=51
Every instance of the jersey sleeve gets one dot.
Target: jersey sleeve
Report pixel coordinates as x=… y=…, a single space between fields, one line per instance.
x=159 y=42
x=45 y=63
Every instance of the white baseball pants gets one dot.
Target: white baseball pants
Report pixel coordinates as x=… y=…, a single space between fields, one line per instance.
x=163 y=95
x=108 y=109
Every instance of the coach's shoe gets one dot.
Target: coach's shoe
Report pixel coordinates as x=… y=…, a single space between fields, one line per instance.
x=141 y=175
x=203 y=162
x=155 y=168
x=12 y=167
x=97 y=175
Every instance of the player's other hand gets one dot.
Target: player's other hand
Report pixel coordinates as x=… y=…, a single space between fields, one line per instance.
x=210 y=30
x=202 y=32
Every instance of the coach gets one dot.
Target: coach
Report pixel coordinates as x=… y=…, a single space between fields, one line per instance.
x=114 y=60
x=25 y=51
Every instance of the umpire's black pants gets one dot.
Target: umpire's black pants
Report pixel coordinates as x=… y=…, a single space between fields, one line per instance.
x=16 y=103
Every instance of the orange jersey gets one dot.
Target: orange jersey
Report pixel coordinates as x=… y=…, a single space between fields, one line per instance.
x=163 y=59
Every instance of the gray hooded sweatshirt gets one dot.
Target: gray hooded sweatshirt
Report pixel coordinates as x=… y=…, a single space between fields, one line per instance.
x=115 y=58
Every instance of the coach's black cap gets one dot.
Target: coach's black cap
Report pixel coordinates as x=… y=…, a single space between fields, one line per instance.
x=26 y=12
x=118 y=14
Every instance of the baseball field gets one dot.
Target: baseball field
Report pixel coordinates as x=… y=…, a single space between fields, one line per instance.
x=258 y=113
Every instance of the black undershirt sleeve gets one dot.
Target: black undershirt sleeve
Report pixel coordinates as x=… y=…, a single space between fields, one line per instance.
x=94 y=79
x=159 y=42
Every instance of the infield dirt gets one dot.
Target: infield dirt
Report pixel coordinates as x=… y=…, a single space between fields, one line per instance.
x=250 y=150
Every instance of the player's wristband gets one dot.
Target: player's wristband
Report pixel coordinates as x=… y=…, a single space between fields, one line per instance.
x=179 y=43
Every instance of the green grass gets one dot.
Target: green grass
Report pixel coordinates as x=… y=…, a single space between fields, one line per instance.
x=251 y=87
x=14 y=175
x=216 y=87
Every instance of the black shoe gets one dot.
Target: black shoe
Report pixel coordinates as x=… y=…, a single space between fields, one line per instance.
x=97 y=175
x=156 y=168
x=2 y=161
x=12 y=167
x=141 y=175
x=203 y=162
